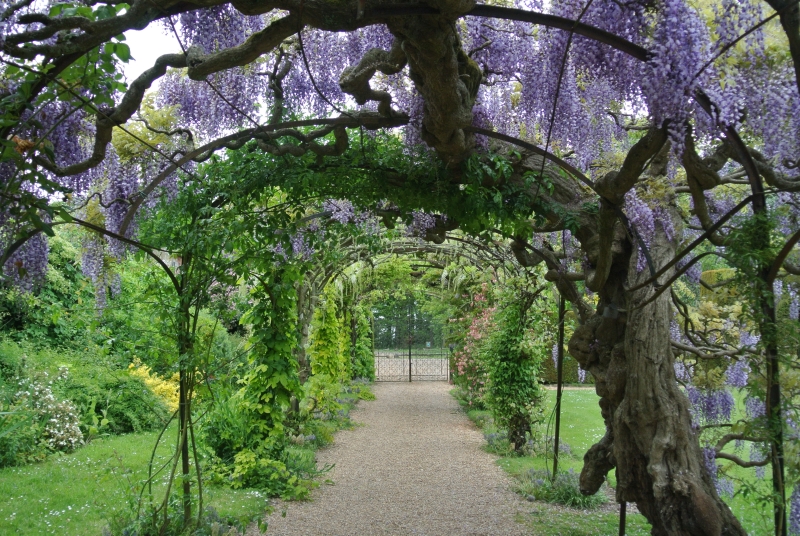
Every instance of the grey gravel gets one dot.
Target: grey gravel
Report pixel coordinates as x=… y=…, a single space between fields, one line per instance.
x=414 y=465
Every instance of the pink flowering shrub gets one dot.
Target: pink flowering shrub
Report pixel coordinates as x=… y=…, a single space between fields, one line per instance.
x=470 y=372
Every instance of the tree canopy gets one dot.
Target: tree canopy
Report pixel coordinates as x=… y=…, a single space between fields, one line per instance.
x=654 y=135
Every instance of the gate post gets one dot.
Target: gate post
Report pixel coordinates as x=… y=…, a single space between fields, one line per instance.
x=409 y=358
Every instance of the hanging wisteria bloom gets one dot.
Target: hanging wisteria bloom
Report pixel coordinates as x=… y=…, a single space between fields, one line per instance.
x=420 y=223
x=683 y=372
x=754 y=407
x=341 y=210
x=681 y=45
x=27 y=267
x=794 y=511
x=301 y=249
x=710 y=406
x=737 y=373
x=757 y=454
x=747 y=339
x=794 y=304
x=641 y=216
x=724 y=486
x=693 y=273
x=777 y=289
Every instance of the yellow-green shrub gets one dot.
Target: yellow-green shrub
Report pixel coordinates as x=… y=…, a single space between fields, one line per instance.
x=165 y=389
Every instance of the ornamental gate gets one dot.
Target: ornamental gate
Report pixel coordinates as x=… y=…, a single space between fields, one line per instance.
x=411 y=366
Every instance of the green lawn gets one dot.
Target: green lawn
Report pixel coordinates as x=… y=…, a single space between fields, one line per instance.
x=77 y=493
x=581 y=427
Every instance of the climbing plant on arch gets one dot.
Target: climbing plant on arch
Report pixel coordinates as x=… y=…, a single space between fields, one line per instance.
x=666 y=106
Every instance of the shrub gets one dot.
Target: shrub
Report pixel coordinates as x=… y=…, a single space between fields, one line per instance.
x=125 y=401
x=320 y=433
x=539 y=445
x=362 y=355
x=537 y=484
x=226 y=426
x=497 y=443
x=12 y=361
x=328 y=349
x=570 y=373
x=20 y=437
x=321 y=396
x=365 y=394
x=512 y=392
x=167 y=390
x=148 y=521
x=36 y=422
x=252 y=469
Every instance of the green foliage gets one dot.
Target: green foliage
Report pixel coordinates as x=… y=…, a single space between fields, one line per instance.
x=365 y=394
x=363 y=358
x=100 y=393
x=321 y=396
x=238 y=458
x=128 y=143
x=549 y=375
x=95 y=488
x=563 y=489
x=12 y=361
x=513 y=391
x=150 y=522
x=124 y=401
x=60 y=310
x=21 y=440
x=328 y=351
x=271 y=476
x=271 y=379
x=225 y=426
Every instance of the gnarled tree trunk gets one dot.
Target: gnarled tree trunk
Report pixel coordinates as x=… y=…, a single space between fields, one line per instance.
x=649 y=436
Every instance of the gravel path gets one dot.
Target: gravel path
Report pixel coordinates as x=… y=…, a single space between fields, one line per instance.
x=415 y=466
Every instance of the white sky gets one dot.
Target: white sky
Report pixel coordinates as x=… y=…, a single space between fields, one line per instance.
x=147 y=45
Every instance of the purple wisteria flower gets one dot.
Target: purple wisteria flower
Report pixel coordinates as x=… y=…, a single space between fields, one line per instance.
x=693 y=273
x=757 y=455
x=642 y=217
x=737 y=373
x=792 y=429
x=754 y=407
x=279 y=252
x=724 y=486
x=710 y=461
x=710 y=405
x=777 y=289
x=683 y=371
x=27 y=267
x=675 y=332
x=794 y=304
x=680 y=45
x=747 y=339
x=341 y=210
x=301 y=249
x=794 y=511
x=420 y=223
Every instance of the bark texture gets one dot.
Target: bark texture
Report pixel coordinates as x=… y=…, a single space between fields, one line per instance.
x=649 y=437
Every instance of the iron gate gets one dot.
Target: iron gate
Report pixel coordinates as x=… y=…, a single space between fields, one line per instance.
x=400 y=367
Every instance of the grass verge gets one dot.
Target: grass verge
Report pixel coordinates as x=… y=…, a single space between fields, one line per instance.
x=81 y=492
x=582 y=426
